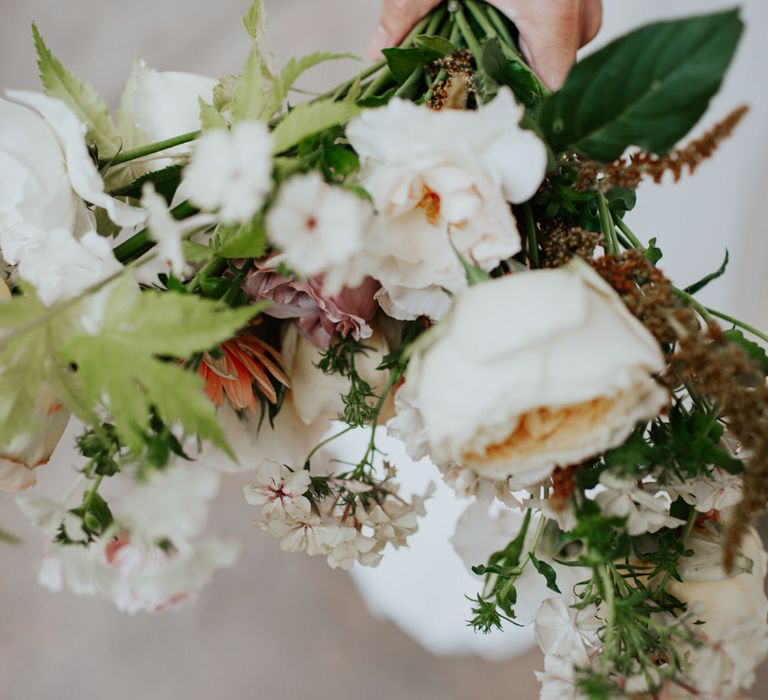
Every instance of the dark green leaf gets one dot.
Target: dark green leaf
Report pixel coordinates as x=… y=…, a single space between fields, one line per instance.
x=512 y=72
x=166 y=182
x=434 y=47
x=402 y=62
x=653 y=253
x=546 y=571
x=704 y=281
x=753 y=349
x=647 y=89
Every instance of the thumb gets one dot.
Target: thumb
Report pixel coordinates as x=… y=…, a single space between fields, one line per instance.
x=397 y=19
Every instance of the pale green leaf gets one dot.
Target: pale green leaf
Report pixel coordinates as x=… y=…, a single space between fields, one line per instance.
x=122 y=365
x=247 y=240
x=249 y=96
x=210 y=117
x=311 y=118
x=78 y=96
x=255 y=19
x=293 y=70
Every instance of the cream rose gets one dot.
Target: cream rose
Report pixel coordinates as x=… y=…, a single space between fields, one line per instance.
x=721 y=601
x=532 y=371
x=437 y=179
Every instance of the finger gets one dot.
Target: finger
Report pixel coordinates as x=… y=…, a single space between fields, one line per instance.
x=591 y=19
x=397 y=19
x=550 y=34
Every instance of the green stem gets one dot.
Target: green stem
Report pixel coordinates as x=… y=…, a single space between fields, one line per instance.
x=633 y=239
x=92 y=493
x=700 y=308
x=327 y=440
x=736 y=322
x=469 y=36
x=481 y=18
x=149 y=149
x=533 y=242
x=606 y=225
x=500 y=25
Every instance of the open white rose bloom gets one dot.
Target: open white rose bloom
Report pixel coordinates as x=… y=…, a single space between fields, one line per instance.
x=530 y=393
x=223 y=278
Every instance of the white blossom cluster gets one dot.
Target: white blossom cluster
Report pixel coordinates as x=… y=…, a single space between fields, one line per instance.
x=353 y=522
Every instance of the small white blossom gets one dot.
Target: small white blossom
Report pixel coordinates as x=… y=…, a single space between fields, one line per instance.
x=319 y=228
x=346 y=546
x=231 y=171
x=304 y=534
x=644 y=512
x=48 y=515
x=280 y=491
x=164 y=230
x=716 y=491
x=558 y=680
x=565 y=631
x=172 y=504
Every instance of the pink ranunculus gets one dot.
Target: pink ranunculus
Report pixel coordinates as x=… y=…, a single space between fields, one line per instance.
x=319 y=315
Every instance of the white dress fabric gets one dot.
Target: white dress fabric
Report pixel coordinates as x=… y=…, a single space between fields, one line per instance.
x=422 y=588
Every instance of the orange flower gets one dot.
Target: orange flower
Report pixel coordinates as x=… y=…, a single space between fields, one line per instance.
x=244 y=359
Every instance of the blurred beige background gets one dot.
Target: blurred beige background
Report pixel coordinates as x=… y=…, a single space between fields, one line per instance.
x=278 y=626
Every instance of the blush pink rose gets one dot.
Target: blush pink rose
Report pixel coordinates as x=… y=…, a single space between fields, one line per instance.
x=319 y=315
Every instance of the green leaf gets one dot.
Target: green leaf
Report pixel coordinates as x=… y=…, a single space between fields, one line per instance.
x=120 y=366
x=309 y=119
x=546 y=571
x=166 y=182
x=647 y=89
x=704 y=281
x=293 y=70
x=77 y=95
x=248 y=240
x=653 y=253
x=249 y=95
x=339 y=160
x=511 y=71
x=402 y=62
x=254 y=20
x=196 y=252
x=434 y=47
x=753 y=349
x=210 y=117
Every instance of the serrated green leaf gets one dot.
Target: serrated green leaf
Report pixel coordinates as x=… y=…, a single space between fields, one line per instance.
x=311 y=118
x=249 y=95
x=711 y=277
x=121 y=366
x=196 y=252
x=647 y=89
x=79 y=96
x=247 y=240
x=754 y=350
x=254 y=20
x=292 y=71
x=166 y=181
x=210 y=117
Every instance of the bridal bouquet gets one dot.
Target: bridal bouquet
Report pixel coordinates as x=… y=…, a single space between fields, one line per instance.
x=214 y=277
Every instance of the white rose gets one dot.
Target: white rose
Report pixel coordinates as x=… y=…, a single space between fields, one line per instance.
x=532 y=371
x=159 y=105
x=438 y=178
x=722 y=601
